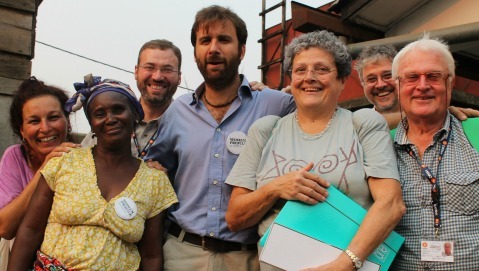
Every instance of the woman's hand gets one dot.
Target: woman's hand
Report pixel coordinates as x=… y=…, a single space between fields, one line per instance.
x=341 y=263
x=154 y=164
x=59 y=151
x=301 y=185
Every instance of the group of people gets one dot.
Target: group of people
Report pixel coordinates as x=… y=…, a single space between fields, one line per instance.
x=233 y=157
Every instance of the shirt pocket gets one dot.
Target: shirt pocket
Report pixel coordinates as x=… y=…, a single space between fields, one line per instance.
x=462 y=192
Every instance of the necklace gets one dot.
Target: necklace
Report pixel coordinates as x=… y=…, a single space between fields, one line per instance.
x=220 y=105
x=315 y=136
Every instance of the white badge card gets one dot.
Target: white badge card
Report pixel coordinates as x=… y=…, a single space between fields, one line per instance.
x=235 y=142
x=125 y=208
x=437 y=251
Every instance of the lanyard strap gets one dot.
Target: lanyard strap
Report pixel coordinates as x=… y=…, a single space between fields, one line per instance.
x=150 y=142
x=427 y=173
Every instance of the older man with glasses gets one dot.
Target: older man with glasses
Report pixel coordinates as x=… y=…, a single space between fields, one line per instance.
x=374 y=69
x=438 y=167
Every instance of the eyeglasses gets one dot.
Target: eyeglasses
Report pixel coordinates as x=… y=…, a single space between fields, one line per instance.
x=432 y=78
x=163 y=70
x=372 y=80
x=301 y=72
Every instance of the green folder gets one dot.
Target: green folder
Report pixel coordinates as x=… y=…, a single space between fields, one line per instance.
x=334 y=222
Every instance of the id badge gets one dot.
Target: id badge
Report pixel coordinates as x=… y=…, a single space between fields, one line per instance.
x=437 y=251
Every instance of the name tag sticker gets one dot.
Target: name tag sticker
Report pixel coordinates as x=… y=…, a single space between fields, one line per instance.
x=125 y=208
x=235 y=142
x=437 y=251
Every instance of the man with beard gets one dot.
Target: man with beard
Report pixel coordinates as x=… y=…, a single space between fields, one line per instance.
x=157 y=75
x=200 y=137
x=374 y=65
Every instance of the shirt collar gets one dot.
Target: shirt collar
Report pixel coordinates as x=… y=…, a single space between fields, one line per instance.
x=401 y=138
x=243 y=91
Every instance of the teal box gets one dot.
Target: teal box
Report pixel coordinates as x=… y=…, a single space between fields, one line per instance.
x=333 y=223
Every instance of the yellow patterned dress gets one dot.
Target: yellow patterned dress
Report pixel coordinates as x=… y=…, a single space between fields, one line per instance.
x=84 y=231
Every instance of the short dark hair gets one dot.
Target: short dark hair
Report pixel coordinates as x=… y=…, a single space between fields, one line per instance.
x=212 y=14
x=372 y=54
x=162 y=45
x=29 y=89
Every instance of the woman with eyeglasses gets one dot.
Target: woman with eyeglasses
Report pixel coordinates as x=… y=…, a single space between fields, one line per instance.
x=296 y=157
x=97 y=208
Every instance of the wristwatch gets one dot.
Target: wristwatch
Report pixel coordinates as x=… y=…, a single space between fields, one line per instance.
x=357 y=263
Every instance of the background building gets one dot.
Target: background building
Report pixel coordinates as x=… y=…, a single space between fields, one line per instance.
x=17 y=40
x=360 y=23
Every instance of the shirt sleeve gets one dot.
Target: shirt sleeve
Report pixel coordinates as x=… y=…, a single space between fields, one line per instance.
x=13 y=175
x=244 y=170
x=289 y=105
x=162 y=150
x=164 y=194
x=379 y=156
x=51 y=169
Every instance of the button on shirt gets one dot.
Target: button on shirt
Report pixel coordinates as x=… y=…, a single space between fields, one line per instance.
x=192 y=146
x=459 y=201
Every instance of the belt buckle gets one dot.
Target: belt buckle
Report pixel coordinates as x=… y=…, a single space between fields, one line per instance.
x=210 y=246
x=203 y=244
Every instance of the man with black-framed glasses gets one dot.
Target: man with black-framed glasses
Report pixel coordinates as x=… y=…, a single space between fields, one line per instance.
x=438 y=166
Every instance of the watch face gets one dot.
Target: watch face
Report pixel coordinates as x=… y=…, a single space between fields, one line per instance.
x=358 y=264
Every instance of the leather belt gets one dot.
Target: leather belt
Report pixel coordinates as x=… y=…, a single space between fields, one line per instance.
x=209 y=243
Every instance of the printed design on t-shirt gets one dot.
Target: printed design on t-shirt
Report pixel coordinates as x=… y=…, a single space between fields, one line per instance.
x=328 y=163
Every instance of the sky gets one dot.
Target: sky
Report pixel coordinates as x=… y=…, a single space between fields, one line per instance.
x=112 y=32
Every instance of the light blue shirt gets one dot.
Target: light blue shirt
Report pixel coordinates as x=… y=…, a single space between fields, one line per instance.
x=192 y=146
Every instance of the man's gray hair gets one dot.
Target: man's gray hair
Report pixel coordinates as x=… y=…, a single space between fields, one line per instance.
x=428 y=44
x=374 y=54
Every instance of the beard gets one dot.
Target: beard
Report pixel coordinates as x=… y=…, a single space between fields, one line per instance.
x=219 y=78
x=158 y=99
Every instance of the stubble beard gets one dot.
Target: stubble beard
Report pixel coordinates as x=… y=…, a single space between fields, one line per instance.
x=393 y=107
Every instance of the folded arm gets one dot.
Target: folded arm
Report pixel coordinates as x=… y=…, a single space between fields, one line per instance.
x=247 y=207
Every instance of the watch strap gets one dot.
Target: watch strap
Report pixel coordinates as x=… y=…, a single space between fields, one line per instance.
x=357 y=263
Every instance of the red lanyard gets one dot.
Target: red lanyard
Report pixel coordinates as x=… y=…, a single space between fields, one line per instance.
x=427 y=173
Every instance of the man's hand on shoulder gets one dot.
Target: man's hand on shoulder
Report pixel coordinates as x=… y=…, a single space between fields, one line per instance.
x=255 y=85
x=463 y=113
